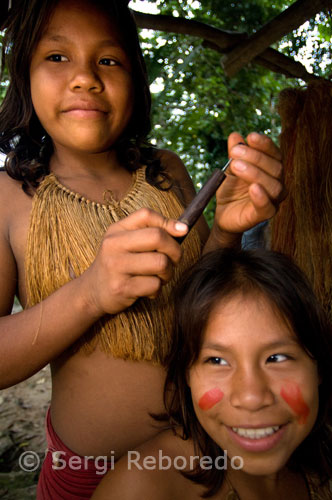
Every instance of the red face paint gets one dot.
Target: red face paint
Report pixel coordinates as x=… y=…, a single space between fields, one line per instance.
x=210 y=398
x=291 y=393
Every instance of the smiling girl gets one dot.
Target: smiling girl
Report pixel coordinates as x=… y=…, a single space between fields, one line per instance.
x=88 y=243
x=251 y=363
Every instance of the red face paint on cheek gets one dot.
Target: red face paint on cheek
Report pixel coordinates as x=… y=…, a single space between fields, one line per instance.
x=210 y=398
x=291 y=393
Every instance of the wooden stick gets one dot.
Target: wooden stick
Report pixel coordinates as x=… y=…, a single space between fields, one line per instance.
x=195 y=209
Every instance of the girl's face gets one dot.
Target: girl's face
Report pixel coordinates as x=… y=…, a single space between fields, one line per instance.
x=81 y=85
x=254 y=389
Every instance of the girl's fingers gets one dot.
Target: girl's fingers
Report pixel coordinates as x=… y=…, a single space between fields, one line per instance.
x=254 y=142
x=135 y=258
x=261 y=202
x=252 y=174
x=147 y=286
x=149 y=239
x=258 y=162
x=144 y=264
x=265 y=144
x=145 y=231
x=244 y=154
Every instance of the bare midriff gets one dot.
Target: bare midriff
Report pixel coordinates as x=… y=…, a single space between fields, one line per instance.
x=101 y=404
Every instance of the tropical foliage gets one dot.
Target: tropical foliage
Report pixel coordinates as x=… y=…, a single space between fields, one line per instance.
x=195 y=105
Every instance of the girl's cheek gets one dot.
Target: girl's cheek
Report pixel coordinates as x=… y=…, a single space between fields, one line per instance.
x=292 y=394
x=210 y=398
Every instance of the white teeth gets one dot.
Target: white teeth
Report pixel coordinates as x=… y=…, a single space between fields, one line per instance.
x=256 y=433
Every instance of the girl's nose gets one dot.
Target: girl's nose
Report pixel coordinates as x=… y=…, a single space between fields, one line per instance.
x=86 y=78
x=251 y=391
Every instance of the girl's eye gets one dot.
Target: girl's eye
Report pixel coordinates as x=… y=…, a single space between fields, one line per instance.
x=277 y=358
x=108 y=61
x=217 y=361
x=57 y=58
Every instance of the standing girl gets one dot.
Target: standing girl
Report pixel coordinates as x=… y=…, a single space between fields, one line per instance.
x=92 y=230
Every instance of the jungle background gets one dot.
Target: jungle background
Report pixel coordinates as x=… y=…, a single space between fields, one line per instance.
x=195 y=107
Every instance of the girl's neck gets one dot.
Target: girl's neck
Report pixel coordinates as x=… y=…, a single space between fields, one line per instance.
x=66 y=164
x=284 y=484
x=91 y=174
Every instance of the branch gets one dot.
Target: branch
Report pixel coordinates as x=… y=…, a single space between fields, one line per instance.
x=277 y=62
x=284 y=23
x=222 y=41
x=271 y=58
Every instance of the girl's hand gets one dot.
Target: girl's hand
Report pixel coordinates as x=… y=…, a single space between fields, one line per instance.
x=252 y=194
x=136 y=257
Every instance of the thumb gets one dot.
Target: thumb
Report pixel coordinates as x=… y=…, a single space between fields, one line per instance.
x=175 y=227
x=145 y=217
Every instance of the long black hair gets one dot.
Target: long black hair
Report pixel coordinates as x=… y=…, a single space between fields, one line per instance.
x=22 y=138
x=220 y=275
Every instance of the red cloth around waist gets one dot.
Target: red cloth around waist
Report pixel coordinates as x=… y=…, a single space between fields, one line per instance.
x=66 y=475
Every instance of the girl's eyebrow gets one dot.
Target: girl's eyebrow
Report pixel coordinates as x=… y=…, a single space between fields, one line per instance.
x=268 y=345
x=50 y=37
x=54 y=38
x=215 y=347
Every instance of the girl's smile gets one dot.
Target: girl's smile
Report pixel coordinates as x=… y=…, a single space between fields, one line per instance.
x=81 y=83
x=261 y=438
x=249 y=360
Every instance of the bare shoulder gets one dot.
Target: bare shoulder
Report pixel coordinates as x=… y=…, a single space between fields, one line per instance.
x=169 y=158
x=11 y=198
x=177 y=171
x=11 y=193
x=15 y=206
x=152 y=472
x=9 y=182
